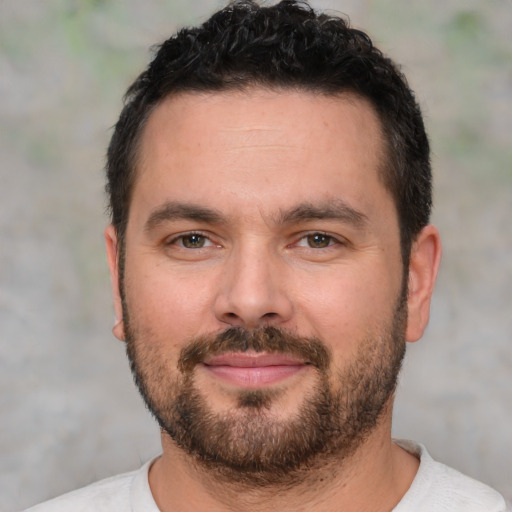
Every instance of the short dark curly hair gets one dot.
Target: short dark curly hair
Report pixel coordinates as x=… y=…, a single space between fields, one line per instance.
x=287 y=45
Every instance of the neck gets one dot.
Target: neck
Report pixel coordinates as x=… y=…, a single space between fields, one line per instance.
x=179 y=483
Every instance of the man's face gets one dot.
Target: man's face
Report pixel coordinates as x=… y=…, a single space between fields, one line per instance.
x=262 y=287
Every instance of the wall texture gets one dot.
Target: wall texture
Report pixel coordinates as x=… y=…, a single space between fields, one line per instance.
x=68 y=411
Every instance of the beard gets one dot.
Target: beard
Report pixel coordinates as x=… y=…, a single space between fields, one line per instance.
x=247 y=444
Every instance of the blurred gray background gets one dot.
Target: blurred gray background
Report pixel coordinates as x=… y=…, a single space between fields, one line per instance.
x=69 y=413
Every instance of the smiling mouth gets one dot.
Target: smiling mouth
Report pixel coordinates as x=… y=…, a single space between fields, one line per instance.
x=254 y=370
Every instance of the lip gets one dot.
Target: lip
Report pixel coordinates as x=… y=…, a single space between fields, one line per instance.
x=253 y=370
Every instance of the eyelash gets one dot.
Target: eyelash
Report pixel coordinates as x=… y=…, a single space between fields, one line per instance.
x=182 y=237
x=331 y=240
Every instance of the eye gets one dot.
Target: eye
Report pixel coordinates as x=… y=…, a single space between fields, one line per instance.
x=317 y=241
x=192 y=241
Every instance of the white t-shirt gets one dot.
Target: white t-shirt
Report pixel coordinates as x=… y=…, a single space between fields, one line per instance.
x=436 y=488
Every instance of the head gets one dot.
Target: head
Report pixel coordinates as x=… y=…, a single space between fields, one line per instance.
x=270 y=190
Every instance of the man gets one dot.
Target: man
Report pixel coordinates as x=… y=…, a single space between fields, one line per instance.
x=271 y=254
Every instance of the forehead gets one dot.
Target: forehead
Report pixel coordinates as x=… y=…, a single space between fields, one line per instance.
x=265 y=146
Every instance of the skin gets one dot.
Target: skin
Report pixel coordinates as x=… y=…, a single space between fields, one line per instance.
x=255 y=158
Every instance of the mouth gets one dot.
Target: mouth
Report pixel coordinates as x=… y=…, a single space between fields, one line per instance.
x=253 y=370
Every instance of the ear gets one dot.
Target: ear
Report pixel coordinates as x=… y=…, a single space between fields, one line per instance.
x=423 y=267
x=111 y=242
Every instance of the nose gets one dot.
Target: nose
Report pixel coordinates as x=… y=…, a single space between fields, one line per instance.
x=252 y=292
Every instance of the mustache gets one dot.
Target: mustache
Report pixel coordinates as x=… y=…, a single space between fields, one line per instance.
x=268 y=339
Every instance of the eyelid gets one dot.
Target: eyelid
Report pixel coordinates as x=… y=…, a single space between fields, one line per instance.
x=336 y=239
x=173 y=239
x=301 y=237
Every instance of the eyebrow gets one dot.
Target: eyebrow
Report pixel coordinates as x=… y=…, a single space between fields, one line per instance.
x=335 y=209
x=170 y=211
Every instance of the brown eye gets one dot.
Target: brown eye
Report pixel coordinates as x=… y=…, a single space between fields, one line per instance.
x=319 y=240
x=193 y=241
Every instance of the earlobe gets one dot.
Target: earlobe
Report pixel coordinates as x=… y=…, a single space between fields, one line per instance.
x=423 y=267
x=112 y=248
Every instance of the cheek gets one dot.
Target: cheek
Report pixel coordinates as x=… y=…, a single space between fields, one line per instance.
x=346 y=306
x=170 y=307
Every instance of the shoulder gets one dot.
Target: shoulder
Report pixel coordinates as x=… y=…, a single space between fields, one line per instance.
x=114 y=493
x=439 y=488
